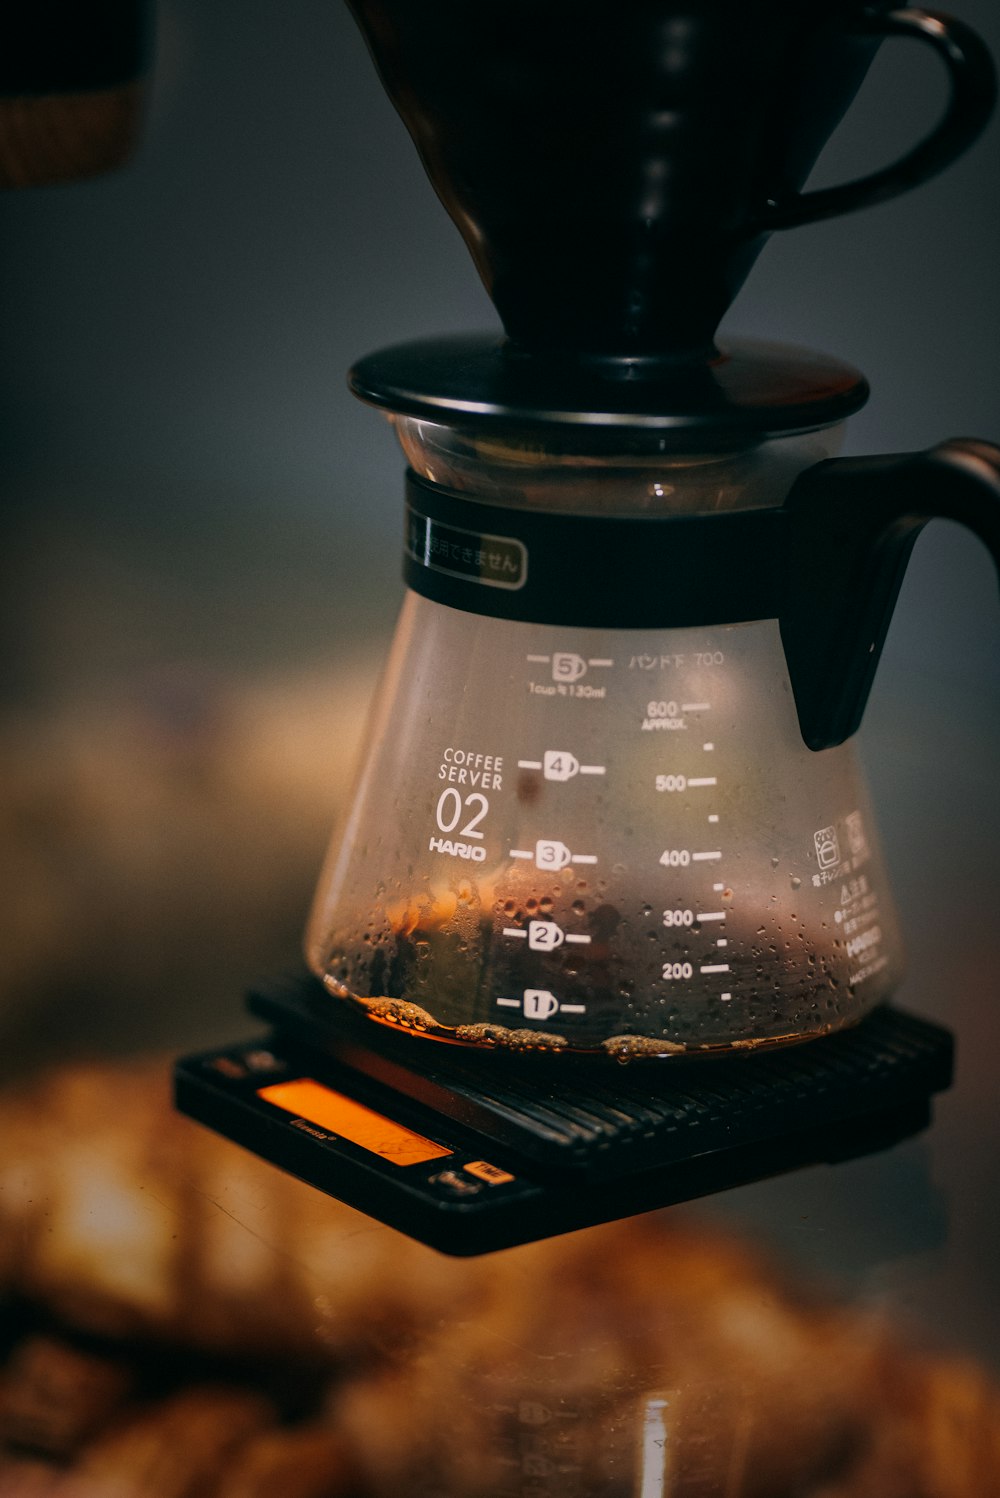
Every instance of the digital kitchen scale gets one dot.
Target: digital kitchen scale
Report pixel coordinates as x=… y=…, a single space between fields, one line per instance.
x=471 y=1152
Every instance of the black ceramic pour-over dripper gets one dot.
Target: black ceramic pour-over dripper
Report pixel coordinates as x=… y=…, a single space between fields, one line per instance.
x=615 y=169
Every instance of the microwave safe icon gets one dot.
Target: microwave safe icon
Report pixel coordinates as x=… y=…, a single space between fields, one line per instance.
x=827 y=847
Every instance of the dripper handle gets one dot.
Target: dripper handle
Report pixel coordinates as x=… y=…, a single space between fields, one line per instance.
x=973 y=80
x=852 y=523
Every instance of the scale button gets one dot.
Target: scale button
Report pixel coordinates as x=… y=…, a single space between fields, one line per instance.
x=261 y=1060
x=227 y=1066
x=491 y=1174
x=455 y=1184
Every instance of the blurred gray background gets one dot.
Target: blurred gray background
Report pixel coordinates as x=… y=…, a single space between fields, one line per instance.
x=196 y=514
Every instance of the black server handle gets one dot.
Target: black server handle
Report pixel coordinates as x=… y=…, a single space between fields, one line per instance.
x=850 y=525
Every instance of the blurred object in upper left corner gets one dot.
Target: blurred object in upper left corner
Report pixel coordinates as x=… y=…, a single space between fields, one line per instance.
x=72 y=76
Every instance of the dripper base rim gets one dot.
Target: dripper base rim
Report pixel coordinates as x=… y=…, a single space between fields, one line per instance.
x=750 y=390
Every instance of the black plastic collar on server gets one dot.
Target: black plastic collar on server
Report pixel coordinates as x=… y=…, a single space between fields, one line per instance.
x=592 y=571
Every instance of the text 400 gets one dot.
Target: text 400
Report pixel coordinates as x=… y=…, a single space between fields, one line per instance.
x=675 y=858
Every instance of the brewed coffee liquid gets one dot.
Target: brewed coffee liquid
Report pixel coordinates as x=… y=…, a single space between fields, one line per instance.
x=789 y=987
x=599 y=839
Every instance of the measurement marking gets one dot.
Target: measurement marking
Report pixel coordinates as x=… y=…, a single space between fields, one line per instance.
x=708 y=746
x=714 y=817
x=510 y=1003
x=722 y=942
x=695 y=707
x=711 y=915
x=550 y=855
x=520 y=932
x=657 y=1456
x=718 y=888
x=600 y=663
x=714 y=967
x=559 y=765
x=704 y=857
x=725 y=997
x=573 y=1008
x=704 y=780
x=542 y=658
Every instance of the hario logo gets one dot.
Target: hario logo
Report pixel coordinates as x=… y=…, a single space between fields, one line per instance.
x=472 y=851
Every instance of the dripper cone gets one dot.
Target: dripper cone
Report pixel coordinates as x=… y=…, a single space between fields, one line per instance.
x=615 y=168
x=611 y=166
